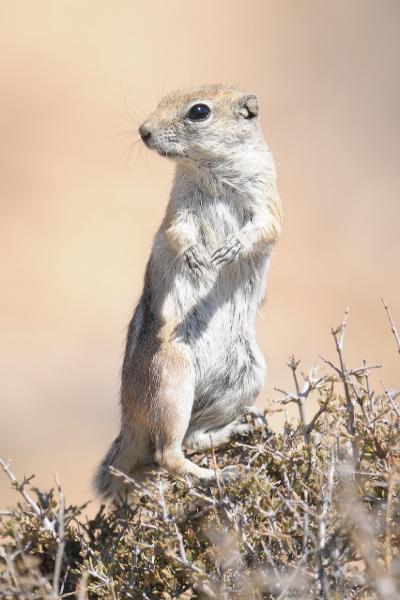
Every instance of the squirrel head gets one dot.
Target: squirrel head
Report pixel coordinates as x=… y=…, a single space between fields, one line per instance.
x=202 y=124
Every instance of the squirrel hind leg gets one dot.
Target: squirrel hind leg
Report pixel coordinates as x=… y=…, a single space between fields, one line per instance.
x=172 y=403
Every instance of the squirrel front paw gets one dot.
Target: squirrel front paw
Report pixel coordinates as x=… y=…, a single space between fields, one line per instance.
x=231 y=250
x=196 y=258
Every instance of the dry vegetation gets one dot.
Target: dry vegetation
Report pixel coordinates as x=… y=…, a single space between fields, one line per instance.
x=314 y=513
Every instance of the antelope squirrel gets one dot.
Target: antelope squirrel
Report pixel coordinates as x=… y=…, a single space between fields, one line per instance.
x=192 y=367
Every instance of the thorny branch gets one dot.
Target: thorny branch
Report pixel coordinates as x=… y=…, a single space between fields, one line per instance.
x=20 y=487
x=311 y=383
x=61 y=540
x=392 y=325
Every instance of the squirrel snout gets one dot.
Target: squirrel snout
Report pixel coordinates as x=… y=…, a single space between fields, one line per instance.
x=145 y=133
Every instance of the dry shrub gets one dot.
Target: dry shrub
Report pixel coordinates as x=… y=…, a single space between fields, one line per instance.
x=313 y=513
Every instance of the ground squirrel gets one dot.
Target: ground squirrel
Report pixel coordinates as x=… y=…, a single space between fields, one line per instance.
x=192 y=367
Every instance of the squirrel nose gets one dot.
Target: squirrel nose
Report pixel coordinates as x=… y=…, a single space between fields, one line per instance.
x=145 y=132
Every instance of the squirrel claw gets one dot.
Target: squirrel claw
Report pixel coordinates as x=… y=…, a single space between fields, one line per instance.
x=194 y=259
x=230 y=250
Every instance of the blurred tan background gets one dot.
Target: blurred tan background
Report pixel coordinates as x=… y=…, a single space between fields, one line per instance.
x=79 y=204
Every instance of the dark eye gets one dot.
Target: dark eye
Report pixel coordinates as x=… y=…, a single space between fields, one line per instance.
x=198 y=112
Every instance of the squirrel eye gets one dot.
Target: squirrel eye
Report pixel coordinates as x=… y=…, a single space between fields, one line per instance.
x=199 y=112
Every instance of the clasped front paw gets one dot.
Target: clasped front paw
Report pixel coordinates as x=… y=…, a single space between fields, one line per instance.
x=230 y=251
x=196 y=258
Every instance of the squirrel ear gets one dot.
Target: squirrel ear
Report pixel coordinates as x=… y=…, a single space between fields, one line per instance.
x=248 y=106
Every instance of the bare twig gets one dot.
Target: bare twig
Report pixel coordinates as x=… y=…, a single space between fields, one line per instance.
x=338 y=336
x=323 y=517
x=392 y=325
x=20 y=487
x=10 y=565
x=81 y=590
x=311 y=383
x=389 y=505
x=322 y=409
x=61 y=540
x=391 y=400
x=216 y=470
x=182 y=552
x=293 y=364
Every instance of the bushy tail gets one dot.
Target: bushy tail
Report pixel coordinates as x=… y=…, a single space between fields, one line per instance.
x=105 y=483
x=129 y=453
